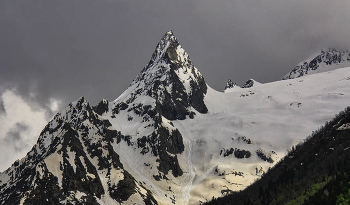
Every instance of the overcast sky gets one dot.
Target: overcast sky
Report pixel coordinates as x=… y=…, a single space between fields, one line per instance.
x=53 y=52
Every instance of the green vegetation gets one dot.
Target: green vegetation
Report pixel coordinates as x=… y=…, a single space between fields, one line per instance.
x=311 y=191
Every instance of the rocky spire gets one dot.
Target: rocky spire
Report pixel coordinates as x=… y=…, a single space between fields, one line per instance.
x=168 y=40
x=171 y=80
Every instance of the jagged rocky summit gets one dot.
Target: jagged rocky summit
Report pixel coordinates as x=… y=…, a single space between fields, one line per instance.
x=75 y=159
x=169 y=138
x=170 y=81
x=329 y=59
x=168 y=88
x=73 y=162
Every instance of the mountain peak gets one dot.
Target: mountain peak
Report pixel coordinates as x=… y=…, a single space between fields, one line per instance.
x=171 y=80
x=168 y=37
x=168 y=34
x=168 y=40
x=170 y=139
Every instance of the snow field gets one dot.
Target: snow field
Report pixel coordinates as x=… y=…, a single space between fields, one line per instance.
x=274 y=116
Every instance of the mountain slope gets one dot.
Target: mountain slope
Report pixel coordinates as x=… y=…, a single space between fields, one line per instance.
x=314 y=172
x=168 y=88
x=170 y=138
x=72 y=162
x=327 y=60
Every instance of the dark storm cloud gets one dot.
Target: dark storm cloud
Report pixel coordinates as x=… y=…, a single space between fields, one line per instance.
x=265 y=39
x=2 y=106
x=14 y=137
x=69 y=48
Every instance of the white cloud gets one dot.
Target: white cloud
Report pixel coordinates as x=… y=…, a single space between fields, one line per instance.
x=20 y=126
x=54 y=104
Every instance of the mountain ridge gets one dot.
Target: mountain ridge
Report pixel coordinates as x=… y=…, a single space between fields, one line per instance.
x=78 y=178
x=170 y=138
x=328 y=59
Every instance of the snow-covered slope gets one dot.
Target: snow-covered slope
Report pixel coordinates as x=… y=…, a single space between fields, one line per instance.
x=265 y=121
x=170 y=138
x=73 y=162
x=327 y=60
